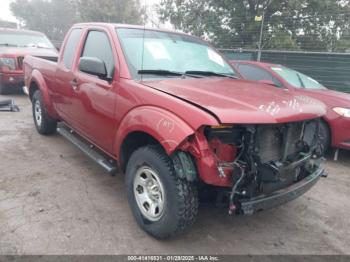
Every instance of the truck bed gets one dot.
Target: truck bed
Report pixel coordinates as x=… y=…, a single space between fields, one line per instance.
x=45 y=65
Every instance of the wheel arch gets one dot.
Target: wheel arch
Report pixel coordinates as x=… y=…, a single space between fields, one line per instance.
x=37 y=82
x=150 y=125
x=132 y=142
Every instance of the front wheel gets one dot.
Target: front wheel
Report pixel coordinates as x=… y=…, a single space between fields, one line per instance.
x=163 y=204
x=44 y=124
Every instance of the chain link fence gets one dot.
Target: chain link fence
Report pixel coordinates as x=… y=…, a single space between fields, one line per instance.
x=312 y=37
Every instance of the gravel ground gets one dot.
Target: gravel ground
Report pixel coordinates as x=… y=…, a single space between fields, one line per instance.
x=54 y=200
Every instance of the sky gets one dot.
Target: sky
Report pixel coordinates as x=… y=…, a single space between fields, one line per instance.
x=5 y=13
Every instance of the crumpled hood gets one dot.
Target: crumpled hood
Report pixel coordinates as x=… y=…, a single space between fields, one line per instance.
x=23 y=51
x=241 y=101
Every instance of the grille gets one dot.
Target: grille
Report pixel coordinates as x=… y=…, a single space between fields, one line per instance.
x=20 y=62
x=271 y=142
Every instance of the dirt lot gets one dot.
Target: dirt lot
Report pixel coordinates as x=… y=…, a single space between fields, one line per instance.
x=54 y=200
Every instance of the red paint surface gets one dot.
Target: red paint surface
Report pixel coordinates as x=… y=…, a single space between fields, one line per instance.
x=173 y=112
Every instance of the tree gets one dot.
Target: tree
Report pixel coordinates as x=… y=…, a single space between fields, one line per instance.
x=111 y=11
x=55 y=17
x=50 y=17
x=281 y=40
x=343 y=45
x=289 y=24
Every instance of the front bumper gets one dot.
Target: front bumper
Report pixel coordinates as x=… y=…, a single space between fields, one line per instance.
x=280 y=197
x=12 y=80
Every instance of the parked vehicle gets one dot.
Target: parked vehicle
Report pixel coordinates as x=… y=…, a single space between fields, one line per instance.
x=335 y=125
x=14 y=46
x=168 y=110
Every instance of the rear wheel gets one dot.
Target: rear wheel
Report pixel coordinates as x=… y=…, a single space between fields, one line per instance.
x=44 y=124
x=163 y=204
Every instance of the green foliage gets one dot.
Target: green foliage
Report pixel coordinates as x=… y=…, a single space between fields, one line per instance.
x=281 y=40
x=110 y=11
x=289 y=24
x=55 y=17
x=343 y=45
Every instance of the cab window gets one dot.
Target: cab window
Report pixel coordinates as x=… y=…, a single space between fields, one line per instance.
x=71 y=46
x=97 y=45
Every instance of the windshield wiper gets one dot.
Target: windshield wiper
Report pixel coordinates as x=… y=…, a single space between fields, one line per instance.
x=36 y=46
x=164 y=73
x=159 y=72
x=195 y=74
x=7 y=44
x=209 y=73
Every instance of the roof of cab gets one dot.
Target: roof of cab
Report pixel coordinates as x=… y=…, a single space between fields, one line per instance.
x=12 y=30
x=112 y=25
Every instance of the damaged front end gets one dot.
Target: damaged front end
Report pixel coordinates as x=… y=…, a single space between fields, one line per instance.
x=259 y=166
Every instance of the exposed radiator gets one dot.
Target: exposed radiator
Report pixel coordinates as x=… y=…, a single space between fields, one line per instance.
x=273 y=139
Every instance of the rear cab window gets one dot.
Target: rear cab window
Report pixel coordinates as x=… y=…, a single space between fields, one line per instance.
x=71 y=47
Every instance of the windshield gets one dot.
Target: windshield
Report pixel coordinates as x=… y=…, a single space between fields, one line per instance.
x=22 y=39
x=153 y=50
x=297 y=79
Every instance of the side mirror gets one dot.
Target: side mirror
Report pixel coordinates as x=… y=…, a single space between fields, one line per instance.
x=268 y=82
x=93 y=66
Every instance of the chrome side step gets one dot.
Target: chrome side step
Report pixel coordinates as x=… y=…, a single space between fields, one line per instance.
x=87 y=148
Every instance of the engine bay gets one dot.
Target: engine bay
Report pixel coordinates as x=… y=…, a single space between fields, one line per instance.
x=262 y=159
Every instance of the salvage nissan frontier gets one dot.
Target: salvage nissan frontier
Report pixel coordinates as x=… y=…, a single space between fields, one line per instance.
x=169 y=111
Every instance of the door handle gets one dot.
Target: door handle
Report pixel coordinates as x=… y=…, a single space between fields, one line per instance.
x=74 y=84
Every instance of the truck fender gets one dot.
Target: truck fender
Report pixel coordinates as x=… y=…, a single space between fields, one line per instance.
x=167 y=128
x=39 y=82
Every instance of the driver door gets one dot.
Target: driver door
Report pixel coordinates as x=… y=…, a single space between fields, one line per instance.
x=96 y=98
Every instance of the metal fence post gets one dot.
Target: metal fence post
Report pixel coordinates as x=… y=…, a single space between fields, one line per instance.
x=261 y=35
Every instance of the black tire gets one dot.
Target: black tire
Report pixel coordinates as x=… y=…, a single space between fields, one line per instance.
x=325 y=136
x=181 y=197
x=47 y=125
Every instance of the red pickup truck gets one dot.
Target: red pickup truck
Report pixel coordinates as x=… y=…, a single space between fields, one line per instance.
x=168 y=110
x=14 y=46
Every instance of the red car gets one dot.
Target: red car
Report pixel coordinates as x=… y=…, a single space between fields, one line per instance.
x=335 y=124
x=14 y=46
x=167 y=108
